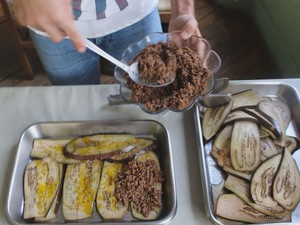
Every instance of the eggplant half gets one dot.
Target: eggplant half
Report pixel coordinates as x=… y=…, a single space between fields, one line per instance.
x=245 y=146
x=100 y=146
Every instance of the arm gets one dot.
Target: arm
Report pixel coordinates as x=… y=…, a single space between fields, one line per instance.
x=183 y=18
x=55 y=17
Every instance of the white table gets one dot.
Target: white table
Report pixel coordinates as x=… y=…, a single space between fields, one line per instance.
x=22 y=106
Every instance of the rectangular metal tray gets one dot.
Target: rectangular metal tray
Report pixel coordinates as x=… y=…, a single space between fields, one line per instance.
x=211 y=174
x=139 y=128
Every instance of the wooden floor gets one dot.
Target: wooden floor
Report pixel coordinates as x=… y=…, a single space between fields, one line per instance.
x=230 y=33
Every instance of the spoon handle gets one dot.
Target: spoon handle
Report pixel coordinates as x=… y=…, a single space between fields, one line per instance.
x=102 y=53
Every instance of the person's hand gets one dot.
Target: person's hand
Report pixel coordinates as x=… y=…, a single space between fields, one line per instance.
x=185 y=23
x=55 y=17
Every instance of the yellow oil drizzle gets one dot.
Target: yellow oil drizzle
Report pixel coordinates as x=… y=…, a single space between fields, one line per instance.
x=46 y=187
x=103 y=147
x=84 y=188
x=107 y=185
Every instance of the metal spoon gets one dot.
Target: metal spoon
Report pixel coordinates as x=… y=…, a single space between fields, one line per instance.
x=132 y=69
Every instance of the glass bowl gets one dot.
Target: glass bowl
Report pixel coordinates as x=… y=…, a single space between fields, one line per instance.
x=210 y=59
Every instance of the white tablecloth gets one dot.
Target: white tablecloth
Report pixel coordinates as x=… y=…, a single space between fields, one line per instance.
x=22 y=106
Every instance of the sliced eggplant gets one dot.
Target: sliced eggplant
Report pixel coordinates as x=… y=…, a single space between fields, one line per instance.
x=222 y=137
x=284 y=111
x=79 y=190
x=230 y=206
x=241 y=188
x=100 y=146
x=286 y=186
x=263 y=133
x=292 y=144
x=267 y=148
x=54 y=208
x=238 y=115
x=53 y=148
x=142 y=145
x=247 y=98
x=41 y=182
x=270 y=133
x=245 y=146
x=262 y=182
x=213 y=119
x=268 y=110
x=107 y=204
x=221 y=152
x=271 y=125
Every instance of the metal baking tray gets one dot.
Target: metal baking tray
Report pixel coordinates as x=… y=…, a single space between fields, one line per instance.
x=139 y=128
x=211 y=174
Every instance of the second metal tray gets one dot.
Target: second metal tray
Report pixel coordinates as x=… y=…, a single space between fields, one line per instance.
x=212 y=176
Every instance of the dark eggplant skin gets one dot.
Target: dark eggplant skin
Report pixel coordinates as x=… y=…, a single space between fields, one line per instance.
x=265 y=120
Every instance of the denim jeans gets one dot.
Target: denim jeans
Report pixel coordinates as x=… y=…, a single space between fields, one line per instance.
x=65 y=66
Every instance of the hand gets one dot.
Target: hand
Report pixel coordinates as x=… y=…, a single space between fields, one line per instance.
x=55 y=17
x=185 y=23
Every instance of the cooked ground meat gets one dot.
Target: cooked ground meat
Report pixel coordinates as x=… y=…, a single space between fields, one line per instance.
x=157 y=62
x=191 y=78
x=137 y=184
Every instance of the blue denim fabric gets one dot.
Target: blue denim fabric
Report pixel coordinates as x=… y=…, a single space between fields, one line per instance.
x=65 y=66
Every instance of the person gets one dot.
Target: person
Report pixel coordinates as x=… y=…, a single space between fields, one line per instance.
x=56 y=27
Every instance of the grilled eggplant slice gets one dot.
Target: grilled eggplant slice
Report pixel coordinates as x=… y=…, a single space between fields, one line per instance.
x=268 y=110
x=247 y=98
x=284 y=111
x=107 y=204
x=245 y=146
x=100 y=146
x=292 y=144
x=267 y=148
x=41 y=182
x=271 y=125
x=52 y=213
x=262 y=182
x=286 y=187
x=79 y=190
x=213 y=119
x=242 y=189
x=52 y=147
x=221 y=152
x=238 y=115
x=230 y=206
x=142 y=145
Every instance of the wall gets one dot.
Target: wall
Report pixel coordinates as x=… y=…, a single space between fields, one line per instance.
x=279 y=23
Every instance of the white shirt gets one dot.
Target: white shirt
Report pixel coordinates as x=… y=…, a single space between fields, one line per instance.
x=115 y=18
x=97 y=18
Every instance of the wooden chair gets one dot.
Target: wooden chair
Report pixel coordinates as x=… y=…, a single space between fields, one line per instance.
x=21 y=37
x=164 y=8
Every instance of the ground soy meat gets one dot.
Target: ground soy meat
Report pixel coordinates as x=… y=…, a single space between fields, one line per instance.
x=191 y=77
x=137 y=184
x=157 y=62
